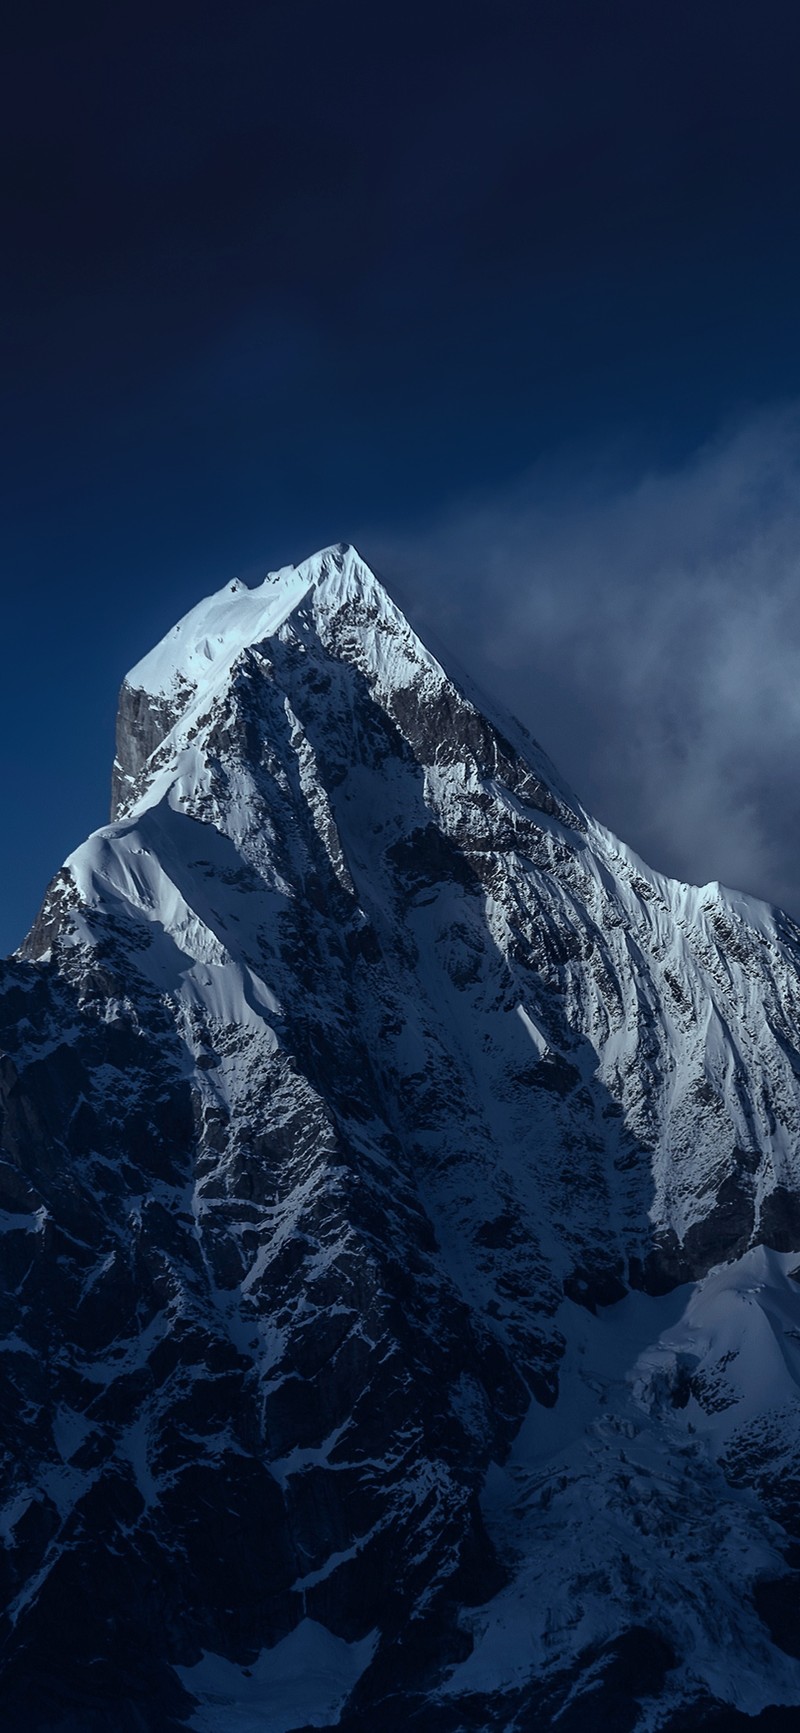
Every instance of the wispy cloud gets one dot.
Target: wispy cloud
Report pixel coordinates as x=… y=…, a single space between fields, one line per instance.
x=648 y=631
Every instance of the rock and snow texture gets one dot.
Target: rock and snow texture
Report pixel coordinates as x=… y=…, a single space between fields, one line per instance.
x=399 y=1193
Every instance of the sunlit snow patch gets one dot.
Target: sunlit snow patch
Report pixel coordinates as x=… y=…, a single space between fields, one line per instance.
x=304 y=1681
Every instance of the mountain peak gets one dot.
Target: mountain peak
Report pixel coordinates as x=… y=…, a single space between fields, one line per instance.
x=191 y=667
x=332 y=613
x=378 y=1134
x=207 y=640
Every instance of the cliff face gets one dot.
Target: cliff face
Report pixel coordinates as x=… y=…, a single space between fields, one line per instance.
x=364 y=1107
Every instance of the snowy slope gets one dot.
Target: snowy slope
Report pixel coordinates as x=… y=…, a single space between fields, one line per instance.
x=401 y=1181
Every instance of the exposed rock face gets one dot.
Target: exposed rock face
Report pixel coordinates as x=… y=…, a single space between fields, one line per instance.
x=363 y=1105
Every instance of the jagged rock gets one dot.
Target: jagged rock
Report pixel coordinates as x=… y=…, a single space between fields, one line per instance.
x=364 y=1105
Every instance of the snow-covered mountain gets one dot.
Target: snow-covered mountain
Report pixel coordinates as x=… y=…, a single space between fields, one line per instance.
x=400 y=1194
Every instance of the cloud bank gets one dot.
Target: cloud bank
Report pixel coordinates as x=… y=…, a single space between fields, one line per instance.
x=648 y=632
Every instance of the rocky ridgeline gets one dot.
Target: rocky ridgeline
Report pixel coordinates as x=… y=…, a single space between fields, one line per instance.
x=364 y=1107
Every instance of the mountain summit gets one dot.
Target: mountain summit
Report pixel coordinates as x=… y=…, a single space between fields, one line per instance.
x=400 y=1193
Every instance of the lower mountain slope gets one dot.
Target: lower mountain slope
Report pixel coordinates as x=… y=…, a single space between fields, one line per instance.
x=399 y=1195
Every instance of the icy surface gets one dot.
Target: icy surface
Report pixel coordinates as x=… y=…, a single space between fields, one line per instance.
x=199 y=651
x=301 y=1682
x=613 y=1507
x=398 y=1185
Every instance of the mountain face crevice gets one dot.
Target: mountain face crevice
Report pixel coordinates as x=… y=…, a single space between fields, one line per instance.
x=398 y=1194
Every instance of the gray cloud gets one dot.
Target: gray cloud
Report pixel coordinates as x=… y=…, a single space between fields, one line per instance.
x=648 y=632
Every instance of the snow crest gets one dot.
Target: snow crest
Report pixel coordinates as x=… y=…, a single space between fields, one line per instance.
x=399 y=1184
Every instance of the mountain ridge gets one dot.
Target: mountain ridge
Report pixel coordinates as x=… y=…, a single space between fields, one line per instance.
x=360 y=1095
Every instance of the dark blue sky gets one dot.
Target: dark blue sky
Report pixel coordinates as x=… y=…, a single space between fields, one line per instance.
x=283 y=273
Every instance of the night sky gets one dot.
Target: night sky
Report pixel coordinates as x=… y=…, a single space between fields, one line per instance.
x=506 y=293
